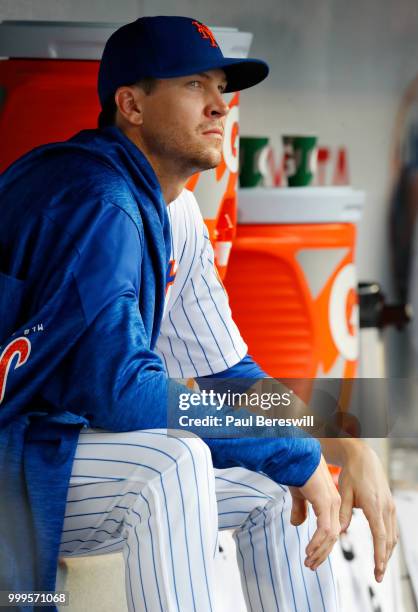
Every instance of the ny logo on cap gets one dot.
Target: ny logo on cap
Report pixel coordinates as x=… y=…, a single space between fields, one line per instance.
x=205 y=32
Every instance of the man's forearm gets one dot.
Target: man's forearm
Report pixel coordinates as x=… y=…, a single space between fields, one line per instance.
x=338 y=450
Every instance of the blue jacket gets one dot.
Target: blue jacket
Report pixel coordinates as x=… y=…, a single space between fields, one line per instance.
x=84 y=248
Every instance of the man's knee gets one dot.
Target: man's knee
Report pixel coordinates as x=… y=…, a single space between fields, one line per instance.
x=173 y=451
x=193 y=450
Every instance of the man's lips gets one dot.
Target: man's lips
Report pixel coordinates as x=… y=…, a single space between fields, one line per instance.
x=218 y=131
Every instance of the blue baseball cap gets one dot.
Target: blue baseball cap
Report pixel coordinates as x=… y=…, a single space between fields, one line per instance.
x=166 y=47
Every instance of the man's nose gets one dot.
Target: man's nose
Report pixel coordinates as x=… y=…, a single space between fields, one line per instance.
x=218 y=106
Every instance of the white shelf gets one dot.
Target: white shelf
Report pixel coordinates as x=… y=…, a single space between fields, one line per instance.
x=300 y=205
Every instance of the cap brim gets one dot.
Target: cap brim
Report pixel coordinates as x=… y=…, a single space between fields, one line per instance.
x=243 y=73
x=240 y=73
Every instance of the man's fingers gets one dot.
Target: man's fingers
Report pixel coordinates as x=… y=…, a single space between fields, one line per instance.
x=384 y=529
x=378 y=529
x=323 y=527
x=321 y=553
x=328 y=524
x=316 y=541
x=393 y=532
x=328 y=530
x=395 y=528
x=346 y=510
x=323 y=495
x=323 y=534
x=320 y=546
x=387 y=519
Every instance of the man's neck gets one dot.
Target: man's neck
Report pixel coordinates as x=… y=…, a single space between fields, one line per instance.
x=171 y=182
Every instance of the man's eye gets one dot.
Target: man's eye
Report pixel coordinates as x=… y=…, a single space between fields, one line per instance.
x=195 y=83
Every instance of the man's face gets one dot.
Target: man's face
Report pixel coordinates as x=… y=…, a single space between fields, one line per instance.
x=183 y=121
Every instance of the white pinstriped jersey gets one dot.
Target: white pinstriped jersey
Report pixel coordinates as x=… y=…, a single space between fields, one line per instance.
x=198 y=335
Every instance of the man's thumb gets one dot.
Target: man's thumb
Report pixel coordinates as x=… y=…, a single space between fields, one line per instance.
x=299 y=511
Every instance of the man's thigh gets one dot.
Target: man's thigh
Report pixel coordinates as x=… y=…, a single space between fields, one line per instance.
x=115 y=473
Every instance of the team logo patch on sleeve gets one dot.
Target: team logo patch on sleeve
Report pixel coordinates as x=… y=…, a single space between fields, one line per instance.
x=19 y=347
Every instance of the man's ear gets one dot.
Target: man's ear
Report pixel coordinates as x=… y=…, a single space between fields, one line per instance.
x=129 y=104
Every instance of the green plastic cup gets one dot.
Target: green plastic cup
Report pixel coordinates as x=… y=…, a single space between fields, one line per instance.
x=253 y=152
x=300 y=155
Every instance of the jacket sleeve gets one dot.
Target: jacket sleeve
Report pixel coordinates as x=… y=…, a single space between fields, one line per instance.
x=288 y=460
x=111 y=376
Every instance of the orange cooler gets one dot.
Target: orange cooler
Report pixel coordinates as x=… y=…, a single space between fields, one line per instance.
x=292 y=281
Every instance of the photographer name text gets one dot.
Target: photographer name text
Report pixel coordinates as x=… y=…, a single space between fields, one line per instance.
x=253 y=420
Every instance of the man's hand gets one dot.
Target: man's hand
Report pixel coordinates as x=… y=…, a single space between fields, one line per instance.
x=321 y=492
x=363 y=484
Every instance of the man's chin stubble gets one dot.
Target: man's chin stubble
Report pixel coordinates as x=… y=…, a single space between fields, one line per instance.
x=197 y=161
x=206 y=162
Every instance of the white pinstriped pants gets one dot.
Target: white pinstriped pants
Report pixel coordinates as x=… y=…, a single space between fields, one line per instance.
x=159 y=500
